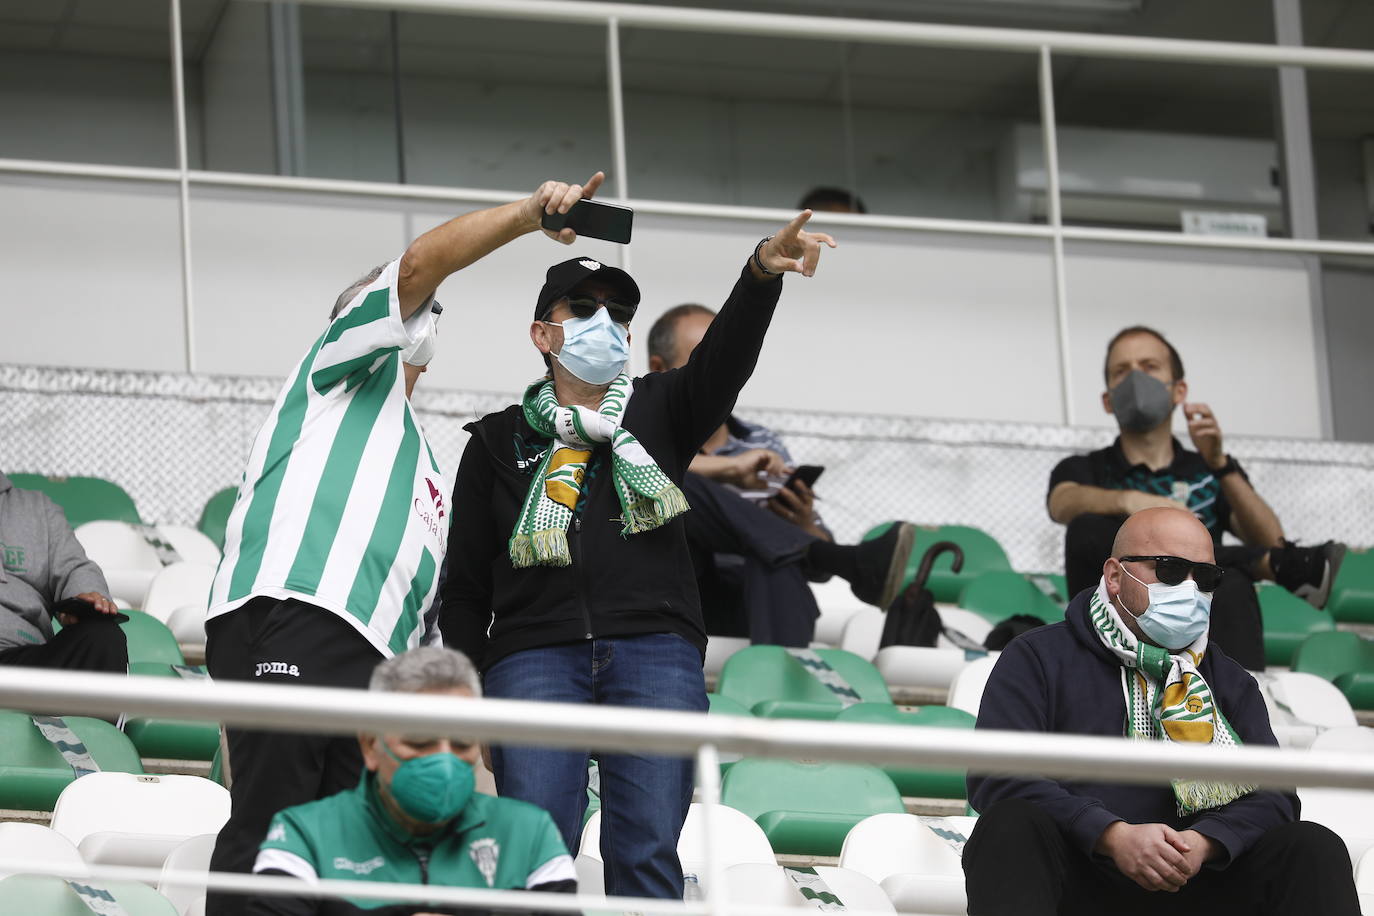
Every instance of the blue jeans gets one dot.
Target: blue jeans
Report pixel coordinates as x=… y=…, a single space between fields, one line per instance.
x=644 y=798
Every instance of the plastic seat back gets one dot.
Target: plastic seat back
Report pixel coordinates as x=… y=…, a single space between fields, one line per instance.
x=1000 y=594
x=214 y=518
x=42 y=895
x=33 y=773
x=179 y=585
x=190 y=857
x=150 y=642
x=770 y=681
x=192 y=544
x=82 y=499
x=893 y=844
x=966 y=692
x=25 y=844
x=1346 y=659
x=837 y=604
x=769 y=885
x=807 y=808
x=166 y=806
x=863 y=633
x=1288 y=620
x=1356 y=739
x=1352 y=594
x=128 y=561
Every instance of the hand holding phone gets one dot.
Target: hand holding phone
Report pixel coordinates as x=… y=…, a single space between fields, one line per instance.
x=593 y=219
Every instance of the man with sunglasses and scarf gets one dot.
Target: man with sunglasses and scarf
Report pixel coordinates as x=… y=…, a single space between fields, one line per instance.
x=1132 y=659
x=1092 y=494
x=569 y=574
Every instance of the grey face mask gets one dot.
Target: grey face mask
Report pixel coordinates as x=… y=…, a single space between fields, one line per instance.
x=1141 y=402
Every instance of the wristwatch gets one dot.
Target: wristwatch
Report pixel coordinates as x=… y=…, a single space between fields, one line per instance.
x=1230 y=467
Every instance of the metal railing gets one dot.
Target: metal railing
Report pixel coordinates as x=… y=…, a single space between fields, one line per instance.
x=340 y=711
x=614 y=16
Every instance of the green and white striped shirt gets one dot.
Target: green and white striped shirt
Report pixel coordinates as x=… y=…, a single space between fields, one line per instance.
x=340 y=503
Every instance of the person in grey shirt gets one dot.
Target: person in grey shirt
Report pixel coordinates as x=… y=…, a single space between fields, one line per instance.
x=41 y=565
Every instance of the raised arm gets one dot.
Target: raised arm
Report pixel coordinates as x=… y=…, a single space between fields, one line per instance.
x=704 y=390
x=448 y=248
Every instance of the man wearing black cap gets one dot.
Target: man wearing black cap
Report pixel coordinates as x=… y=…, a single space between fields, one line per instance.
x=569 y=575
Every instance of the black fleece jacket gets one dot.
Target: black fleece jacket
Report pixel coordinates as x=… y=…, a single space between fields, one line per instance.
x=616 y=585
x=1060 y=678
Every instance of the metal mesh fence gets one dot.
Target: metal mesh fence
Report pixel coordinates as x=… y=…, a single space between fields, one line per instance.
x=172 y=440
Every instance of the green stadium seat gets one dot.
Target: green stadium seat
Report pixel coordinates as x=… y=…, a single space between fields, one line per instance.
x=1288 y=620
x=175 y=739
x=1344 y=659
x=33 y=773
x=807 y=808
x=1054 y=585
x=724 y=706
x=1352 y=594
x=768 y=681
x=999 y=594
x=982 y=554
x=83 y=499
x=215 y=516
x=42 y=895
x=918 y=781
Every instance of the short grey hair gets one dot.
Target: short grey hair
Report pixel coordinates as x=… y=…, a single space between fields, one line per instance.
x=357 y=286
x=426 y=668
x=663 y=335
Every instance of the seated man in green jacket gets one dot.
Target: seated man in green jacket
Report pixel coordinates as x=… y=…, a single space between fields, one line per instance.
x=414 y=818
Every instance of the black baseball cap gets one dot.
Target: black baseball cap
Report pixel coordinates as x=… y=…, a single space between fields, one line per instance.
x=563 y=278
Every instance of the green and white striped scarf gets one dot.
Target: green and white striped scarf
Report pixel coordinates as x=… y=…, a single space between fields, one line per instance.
x=648 y=498
x=1167 y=700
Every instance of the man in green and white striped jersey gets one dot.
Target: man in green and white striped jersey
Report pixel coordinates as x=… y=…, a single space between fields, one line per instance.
x=333 y=547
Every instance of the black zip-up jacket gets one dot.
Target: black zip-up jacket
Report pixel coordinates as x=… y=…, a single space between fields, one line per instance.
x=1060 y=678
x=617 y=585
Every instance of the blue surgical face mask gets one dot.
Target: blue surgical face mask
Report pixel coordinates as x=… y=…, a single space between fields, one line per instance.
x=595 y=349
x=431 y=789
x=1177 y=614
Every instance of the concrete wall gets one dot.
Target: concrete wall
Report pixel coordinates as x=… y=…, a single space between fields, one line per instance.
x=894 y=322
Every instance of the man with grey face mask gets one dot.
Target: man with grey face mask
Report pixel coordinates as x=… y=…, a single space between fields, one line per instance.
x=1146 y=466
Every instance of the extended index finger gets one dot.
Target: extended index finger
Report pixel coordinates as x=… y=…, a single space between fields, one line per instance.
x=590 y=188
x=794 y=227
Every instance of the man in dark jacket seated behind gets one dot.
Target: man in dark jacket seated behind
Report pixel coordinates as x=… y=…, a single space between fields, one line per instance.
x=1132 y=657
x=414 y=818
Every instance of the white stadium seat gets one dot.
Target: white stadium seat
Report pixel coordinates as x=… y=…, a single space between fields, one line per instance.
x=187 y=624
x=191 y=543
x=1302 y=706
x=127 y=560
x=921 y=666
x=738 y=840
x=863 y=632
x=966 y=692
x=918 y=871
x=837 y=604
x=973 y=625
x=192 y=855
x=769 y=885
x=178 y=585
x=131 y=819
x=25 y=845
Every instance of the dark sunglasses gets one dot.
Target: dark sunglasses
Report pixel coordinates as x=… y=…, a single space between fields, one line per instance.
x=585 y=307
x=1173 y=570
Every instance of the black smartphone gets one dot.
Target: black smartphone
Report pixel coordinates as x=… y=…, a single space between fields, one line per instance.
x=594 y=219
x=807 y=473
x=83 y=610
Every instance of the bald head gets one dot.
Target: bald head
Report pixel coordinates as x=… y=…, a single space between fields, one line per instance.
x=1164 y=532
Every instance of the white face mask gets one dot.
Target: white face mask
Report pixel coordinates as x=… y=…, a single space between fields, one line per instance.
x=422 y=350
x=1176 y=615
x=595 y=349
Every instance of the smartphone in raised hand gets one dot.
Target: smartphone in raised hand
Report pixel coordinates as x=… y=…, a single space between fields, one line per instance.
x=594 y=219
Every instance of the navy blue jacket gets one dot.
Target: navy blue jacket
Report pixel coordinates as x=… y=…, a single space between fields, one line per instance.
x=1060 y=678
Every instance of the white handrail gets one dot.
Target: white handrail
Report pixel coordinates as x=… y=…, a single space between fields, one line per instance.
x=838 y=28
x=337 y=711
